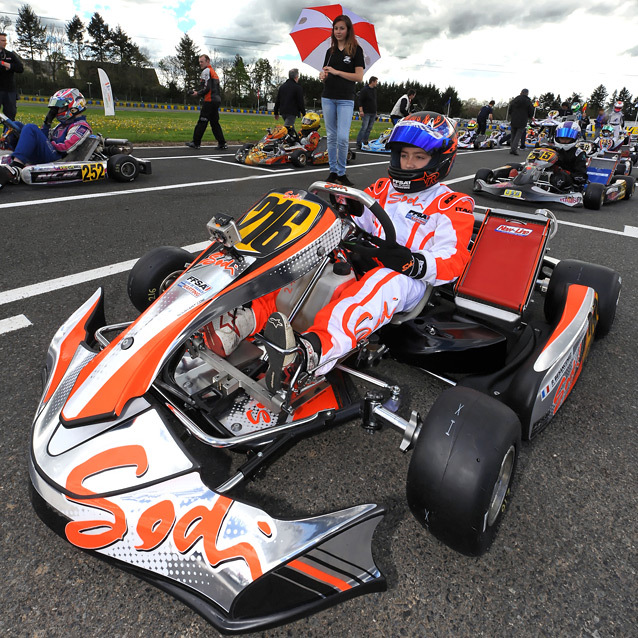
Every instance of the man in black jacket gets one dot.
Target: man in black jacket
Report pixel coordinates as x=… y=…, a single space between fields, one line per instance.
x=521 y=110
x=10 y=64
x=367 y=110
x=290 y=102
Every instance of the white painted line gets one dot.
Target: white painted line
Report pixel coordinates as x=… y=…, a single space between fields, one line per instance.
x=631 y=231
x=14 y=323
x=258 y=168
x=51 y=285
x=136 y=191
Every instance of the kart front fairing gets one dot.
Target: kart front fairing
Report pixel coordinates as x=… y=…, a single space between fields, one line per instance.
x=110 y=474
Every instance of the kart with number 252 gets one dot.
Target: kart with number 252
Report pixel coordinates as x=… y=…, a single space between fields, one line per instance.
x=532 y=181
x=96 y=158
x=132 y=437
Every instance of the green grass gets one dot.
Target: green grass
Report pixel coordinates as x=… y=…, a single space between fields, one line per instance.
x=163 y=127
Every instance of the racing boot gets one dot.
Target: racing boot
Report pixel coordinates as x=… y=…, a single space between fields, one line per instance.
x=224 y=333
x=279 y=337
x=9 y=174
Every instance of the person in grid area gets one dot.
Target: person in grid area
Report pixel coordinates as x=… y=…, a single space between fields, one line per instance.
x=343 y=66
x=433 y=229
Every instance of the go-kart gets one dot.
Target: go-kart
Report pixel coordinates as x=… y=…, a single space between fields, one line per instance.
x=547 y=131
x=96 y=158
x=273 y=151
x=378 y=145
x=129 y=449
x=532 y=182
x=496 y=138
x=467 y=138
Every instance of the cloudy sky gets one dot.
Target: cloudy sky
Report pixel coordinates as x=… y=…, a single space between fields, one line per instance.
x=483 y=49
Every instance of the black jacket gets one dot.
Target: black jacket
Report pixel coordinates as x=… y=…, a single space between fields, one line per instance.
x=7 y=77
x=574 y=161
x=521 y=110
x=367 y=99
x=290 y=99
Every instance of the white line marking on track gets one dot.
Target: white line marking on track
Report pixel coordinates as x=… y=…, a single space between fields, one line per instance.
x=259 y=168
x=71 y=198
x=14 y=323
x=631 y=231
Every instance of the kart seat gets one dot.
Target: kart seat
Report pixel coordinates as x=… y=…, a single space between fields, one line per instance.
x=505 y=260
x=84 y=150
x=402 y=317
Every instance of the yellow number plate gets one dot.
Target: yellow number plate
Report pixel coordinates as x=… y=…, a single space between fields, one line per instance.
x=510 y=192
x=92 y=172
x=276 y=221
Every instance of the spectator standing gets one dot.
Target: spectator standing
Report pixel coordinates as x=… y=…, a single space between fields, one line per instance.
x=601 y=120
x=367 y=110
x=10 y=64
x=486 y=113
x=521 y=110
x=564 y=110
x=290 y=101
x=210 y=92
x=402 y=106
x=343 y=65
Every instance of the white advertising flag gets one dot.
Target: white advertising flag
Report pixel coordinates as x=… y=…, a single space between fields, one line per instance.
x=107 y=93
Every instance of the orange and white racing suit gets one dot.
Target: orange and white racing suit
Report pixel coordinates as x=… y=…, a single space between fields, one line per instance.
x=436 y=223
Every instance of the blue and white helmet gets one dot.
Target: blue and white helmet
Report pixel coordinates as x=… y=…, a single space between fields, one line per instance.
x=566 y=135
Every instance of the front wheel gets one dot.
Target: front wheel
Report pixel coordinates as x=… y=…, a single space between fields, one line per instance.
x=486 y=174
x=594 y=196
x=122 y=168
x=154 y=272
x=299 y=158
x=462 y=468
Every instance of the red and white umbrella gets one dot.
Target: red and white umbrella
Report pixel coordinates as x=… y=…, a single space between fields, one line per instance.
x=313 y=30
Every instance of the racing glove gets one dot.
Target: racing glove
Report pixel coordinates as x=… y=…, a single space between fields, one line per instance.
x=50 y=116
x=391 y=255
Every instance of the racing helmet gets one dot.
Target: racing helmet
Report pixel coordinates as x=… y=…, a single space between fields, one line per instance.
x=69 y=103
x=607 y=131
x=472 y=125
x=278 y=132
x=618 y=106
x=575 y=107
x=553 y=114
x=566 y=135
x=310 y=122
x=436 y=135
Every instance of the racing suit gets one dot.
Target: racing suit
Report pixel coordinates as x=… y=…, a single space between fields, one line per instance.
x=434 y=224
x=617 y=120
x=37 y=145
x=571 y=169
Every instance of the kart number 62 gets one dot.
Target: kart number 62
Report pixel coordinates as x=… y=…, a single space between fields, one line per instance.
x=92 y=172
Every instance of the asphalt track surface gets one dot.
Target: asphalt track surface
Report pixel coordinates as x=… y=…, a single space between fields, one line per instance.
x=564 y=562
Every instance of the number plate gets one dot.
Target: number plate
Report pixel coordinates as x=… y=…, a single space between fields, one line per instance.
x=93 y=172
x=510 y=192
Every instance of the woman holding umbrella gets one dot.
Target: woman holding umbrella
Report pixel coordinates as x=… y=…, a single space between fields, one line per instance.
x=343 y=66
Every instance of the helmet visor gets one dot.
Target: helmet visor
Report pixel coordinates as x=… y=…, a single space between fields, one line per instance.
x=418 y=134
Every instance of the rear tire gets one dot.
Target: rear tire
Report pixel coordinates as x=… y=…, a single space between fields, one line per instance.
x=594 y=196
x=462 y=468
x=122 y=168
x=605 y=281
x=154 y=272
x=630 y=185
x=486 y=174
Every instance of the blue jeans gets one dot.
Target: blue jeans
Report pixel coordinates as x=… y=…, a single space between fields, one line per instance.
x=337 y=115
x=367 y=122
x=33 y=146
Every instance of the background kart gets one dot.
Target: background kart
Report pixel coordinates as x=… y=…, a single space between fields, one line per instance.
x=272 y=152
x=531 y=182
x=96 y=158
x=127 y=455
x=378 y=145
x=496 y=138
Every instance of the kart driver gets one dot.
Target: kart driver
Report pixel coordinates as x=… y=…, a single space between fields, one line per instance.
x=570 y=171
x=38 y=145
x=433 y=227
x=617 y=119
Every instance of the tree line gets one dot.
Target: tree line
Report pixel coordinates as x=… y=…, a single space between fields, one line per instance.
x=69 y=55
